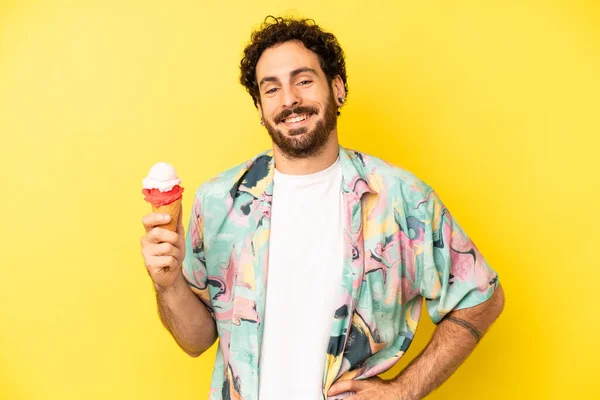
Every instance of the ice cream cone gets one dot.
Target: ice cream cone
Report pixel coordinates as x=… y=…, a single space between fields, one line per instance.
x=162 y=189
x=173 y=209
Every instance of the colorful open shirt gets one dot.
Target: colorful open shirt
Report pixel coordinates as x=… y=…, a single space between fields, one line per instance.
x=401 y=245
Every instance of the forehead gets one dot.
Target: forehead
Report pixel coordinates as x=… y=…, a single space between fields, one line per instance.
x=283 y=58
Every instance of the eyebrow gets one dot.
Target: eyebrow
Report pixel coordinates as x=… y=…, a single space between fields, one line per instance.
x=292 y=75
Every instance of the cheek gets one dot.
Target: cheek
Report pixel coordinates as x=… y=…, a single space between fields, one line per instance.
x=320 y=99
x=315 y=95
x=269 y=108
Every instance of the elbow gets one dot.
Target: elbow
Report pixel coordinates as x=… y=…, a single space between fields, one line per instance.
x=193 y=354
x=198 y=350
x=192 y=351
x=497 y=305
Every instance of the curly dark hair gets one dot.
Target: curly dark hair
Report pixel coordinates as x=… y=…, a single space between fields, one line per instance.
x=276 y=30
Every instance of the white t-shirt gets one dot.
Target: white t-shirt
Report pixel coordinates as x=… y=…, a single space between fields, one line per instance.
x=303 y=279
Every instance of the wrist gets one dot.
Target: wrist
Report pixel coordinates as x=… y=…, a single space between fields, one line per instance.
x=402 y=389
x=172 y=288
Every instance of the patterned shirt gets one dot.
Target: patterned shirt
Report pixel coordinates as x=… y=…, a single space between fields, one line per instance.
x=401 y=244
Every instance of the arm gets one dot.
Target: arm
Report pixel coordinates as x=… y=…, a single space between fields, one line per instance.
x=185 y=317
x=181 y=311
x=452 y=275
x=457 y=267
x=453 y=340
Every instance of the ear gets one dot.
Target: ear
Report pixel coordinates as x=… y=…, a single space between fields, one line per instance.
x=260 y=112
x=339 y=91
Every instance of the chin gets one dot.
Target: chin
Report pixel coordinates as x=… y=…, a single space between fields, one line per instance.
x=297 y=132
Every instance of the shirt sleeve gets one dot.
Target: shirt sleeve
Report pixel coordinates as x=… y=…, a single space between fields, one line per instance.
x=194 y=263
x=454 y=274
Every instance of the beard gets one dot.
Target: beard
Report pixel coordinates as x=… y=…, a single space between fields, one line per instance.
x=302 y=143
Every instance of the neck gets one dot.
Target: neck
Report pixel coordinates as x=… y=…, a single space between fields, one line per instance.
x=304 y=166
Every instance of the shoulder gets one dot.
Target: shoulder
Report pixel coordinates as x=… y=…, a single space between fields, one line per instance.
x=221 y=185
x=386 y=177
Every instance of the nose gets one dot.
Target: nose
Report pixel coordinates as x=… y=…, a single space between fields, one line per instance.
x=290 y=97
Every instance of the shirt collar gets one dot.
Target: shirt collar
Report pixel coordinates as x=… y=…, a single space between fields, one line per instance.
x=356 y=177
x=257 y=178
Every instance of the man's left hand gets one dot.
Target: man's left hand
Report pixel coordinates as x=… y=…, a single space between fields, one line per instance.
x=373 y=388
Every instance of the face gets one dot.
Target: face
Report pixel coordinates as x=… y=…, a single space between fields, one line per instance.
x=297 y=103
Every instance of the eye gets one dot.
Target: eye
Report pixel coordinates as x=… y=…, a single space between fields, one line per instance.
x=305 y=82
x=271 y=91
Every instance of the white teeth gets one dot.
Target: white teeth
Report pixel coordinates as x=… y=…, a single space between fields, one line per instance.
x=296 y=119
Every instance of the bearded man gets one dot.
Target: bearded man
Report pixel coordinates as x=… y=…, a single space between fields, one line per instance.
x=310 y=262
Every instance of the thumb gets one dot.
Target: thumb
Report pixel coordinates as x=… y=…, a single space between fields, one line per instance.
x=344 y=386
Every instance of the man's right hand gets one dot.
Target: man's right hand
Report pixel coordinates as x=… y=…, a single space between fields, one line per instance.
x=162 y=249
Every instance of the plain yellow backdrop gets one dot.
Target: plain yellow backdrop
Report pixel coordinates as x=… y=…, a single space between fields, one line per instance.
x=495 y=104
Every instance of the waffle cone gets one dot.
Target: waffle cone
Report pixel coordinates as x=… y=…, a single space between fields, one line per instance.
x=173 y=209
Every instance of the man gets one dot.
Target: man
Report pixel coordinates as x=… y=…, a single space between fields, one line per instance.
x=349 y=245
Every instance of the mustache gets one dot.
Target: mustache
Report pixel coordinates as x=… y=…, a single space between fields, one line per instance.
x=298 y=110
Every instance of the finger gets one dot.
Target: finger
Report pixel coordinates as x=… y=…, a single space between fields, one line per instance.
x=358 y=396
x=156 y=263
x=343 y=395
x=165 y=249
x=161 y=250
x=344 y=386
x=153 y=220
x=162 y=235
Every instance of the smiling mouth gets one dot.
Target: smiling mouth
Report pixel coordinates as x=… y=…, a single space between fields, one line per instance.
x=296 y=119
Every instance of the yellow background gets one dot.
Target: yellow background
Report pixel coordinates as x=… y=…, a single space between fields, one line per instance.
x=494 y=103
